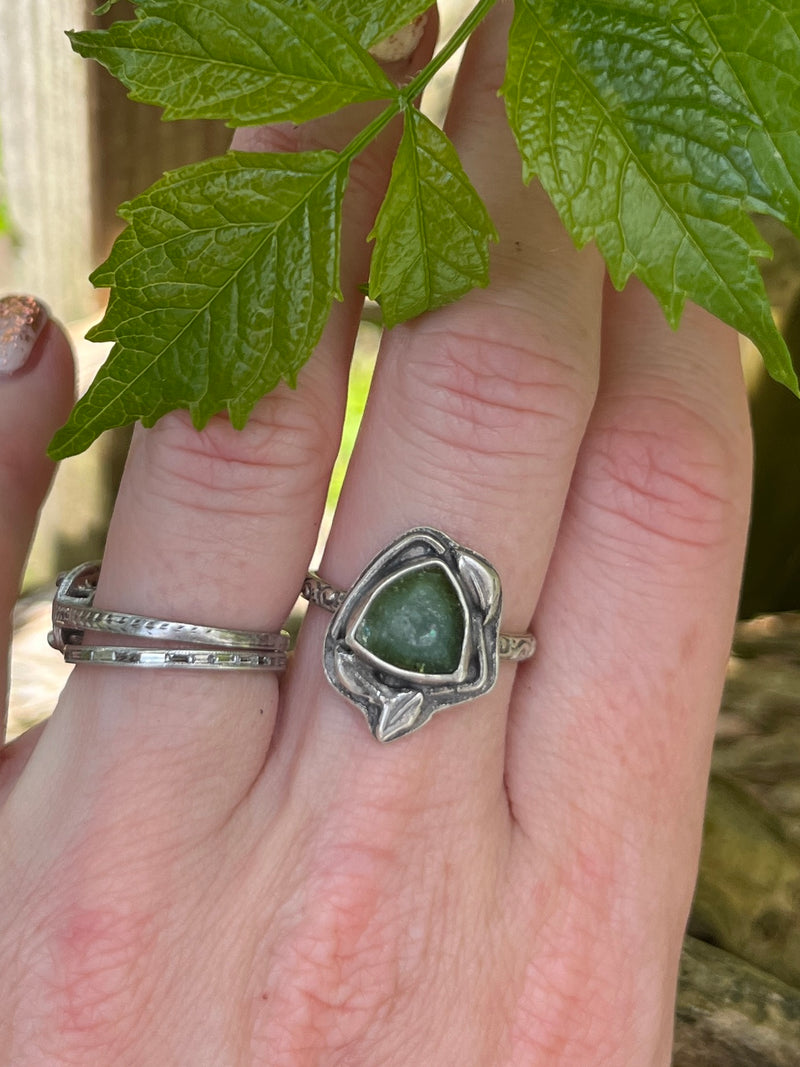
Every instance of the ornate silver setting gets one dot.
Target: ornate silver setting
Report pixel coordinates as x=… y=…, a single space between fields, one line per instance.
x=396 y=701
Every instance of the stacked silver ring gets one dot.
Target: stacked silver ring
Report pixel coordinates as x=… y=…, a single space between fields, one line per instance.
x=193 y=645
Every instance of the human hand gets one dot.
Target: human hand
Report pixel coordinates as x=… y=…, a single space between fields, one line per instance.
x=212 y=869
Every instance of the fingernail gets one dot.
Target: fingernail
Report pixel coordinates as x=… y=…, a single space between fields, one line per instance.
x=402 y=43
x=22 y=319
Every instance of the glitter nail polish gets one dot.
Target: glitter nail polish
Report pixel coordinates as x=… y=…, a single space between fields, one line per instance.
x=22 y=319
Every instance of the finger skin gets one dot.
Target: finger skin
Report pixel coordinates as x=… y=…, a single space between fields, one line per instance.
x=217 y=528
x=606 y=839
x=33 y=403
x=635 y=622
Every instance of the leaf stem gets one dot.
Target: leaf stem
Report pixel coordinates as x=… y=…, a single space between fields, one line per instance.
x=465 y=30
x=416 y=86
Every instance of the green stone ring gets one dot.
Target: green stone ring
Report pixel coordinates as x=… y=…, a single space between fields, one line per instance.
x=419 y=631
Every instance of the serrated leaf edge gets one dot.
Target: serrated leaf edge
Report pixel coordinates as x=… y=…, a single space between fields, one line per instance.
x=384 y=87
x=97 y=332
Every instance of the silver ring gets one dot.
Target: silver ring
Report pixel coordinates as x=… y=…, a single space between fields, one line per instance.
x=211 y=647
x=419 y=631
x=73 y=615
x=196 y=658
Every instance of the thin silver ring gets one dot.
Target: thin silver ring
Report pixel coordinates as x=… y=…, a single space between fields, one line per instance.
x=73 y=615
x=194 y=658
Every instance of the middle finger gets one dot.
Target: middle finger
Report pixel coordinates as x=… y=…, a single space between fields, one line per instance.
x=473 y=424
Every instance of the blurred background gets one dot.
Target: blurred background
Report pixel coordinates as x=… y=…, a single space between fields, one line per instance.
x=72 y=147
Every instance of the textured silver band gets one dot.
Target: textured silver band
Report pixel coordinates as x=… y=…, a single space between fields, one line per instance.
x=320 y=593
x=196 y=658
x=73 y=615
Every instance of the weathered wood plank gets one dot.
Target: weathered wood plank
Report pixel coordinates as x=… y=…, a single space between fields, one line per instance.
x=731 y=1014
x=131 y=146
x=44 y=124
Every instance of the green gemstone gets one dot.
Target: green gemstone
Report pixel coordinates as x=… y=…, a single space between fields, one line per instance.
x=416 y=623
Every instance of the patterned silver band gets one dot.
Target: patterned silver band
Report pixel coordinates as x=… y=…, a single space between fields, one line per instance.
x=196 y=658
x=318 y=592
x=73 y=615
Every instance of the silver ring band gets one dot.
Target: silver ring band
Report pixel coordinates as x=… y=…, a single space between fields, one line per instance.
x=196 y=658
x=73 y=615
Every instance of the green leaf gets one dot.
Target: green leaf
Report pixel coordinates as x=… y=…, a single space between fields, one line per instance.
x=245 y=62
x=367 y=23
x=432 y=231
x=370 y=22
x=641 y=149
x=760 y=67
x=221 y=286
x=106 y=7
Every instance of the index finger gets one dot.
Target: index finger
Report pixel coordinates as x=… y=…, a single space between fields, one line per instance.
x=217 y=528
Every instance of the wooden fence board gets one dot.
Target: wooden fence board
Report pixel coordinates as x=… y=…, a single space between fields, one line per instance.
x=44 y=124
x=73 y=147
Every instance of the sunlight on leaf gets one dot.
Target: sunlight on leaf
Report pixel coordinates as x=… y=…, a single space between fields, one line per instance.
x=370 y=22
x=275 y=62
x=762 y=69
x=642 y=150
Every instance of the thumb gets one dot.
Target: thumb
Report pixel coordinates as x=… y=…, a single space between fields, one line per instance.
x=36 y=391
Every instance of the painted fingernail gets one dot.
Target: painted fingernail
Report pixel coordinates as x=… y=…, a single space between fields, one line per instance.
x=402 y=43
x=22 y=319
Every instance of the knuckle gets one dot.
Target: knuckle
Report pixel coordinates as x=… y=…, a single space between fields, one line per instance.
x=661 y=476
x=332 y=969
x=582 y=998
x=283 y=453
x=489 y=398
x=79 y=995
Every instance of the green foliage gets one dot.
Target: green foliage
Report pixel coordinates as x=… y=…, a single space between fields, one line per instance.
x=756 y=58
x=432 y=231
x=361 y=368
x=656 y=128
x=104 y=8
x=4 y=223
x=280 y=62
x=642 y=150
x=220 y=287
x=368 y=23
